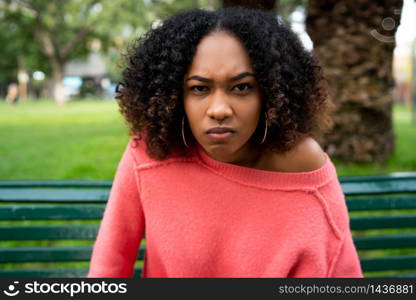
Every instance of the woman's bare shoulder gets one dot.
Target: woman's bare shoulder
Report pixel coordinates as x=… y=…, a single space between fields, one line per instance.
x=306 y=156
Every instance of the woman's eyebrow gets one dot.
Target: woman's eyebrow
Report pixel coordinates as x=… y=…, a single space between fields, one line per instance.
x=234 y=78
x=241 y=76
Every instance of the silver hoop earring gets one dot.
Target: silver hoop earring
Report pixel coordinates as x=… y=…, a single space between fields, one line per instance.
x=183 y=132
x=265 y=130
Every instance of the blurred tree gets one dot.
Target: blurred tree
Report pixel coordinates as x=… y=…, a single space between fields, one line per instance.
x=130 y=29
x=283 y=7
x=286 y=7
x=15 y=47
x=127 y=28
x=63 y=30
x=51 y=33
x=269 y=5
x=354 y=41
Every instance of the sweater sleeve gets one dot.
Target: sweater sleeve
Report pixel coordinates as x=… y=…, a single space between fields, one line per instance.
x=346 y=262
x=122 y=227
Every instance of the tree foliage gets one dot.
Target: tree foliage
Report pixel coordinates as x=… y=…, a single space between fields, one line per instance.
x=48 y=34
x=51 y=33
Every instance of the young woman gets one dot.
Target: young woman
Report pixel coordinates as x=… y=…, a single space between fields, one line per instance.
x=223 y=175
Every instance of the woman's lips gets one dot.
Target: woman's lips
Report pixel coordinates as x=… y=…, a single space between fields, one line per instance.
x=221 y=136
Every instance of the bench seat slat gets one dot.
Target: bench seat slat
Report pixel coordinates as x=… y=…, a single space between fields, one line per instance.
x=51 y=212
x=53 y=195
x=381 y=222
x=385 y=242
x=381 y=202
x=406 y=262
x=48 y=232
x=50 y=254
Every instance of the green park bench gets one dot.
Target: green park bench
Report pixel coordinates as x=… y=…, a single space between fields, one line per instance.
x=47 y=228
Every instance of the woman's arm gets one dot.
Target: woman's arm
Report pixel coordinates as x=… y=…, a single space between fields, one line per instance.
x=346 y=263
x=122 y=227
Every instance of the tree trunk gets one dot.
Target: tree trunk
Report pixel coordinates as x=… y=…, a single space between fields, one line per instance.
x=22 y=78
x=413 y=83
x=210 y=4
x=354 y=41
x=58 y=76
x=269 y=5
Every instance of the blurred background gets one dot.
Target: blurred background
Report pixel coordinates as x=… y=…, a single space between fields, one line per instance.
x=61 y=60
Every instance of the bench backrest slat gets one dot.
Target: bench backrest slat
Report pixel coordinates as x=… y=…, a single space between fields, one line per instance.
x=51 y=212
x=55 y=183
x=45 y=273
x=389 y=263
x=381 y=222
x=52 y=195
x=50 y=254
x=394 y=183
x=54 y=273
x=48 y=232
x=45 y=254
x=381 y=202
x=386 y=241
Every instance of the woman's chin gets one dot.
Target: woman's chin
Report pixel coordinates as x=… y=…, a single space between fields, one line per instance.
x=221 y=152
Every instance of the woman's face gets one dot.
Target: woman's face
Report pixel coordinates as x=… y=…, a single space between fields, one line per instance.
x=220 y=90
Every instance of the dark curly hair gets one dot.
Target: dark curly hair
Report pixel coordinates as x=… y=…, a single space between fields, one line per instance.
x=292 y=84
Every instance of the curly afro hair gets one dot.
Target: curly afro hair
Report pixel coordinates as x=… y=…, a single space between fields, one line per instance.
x=292 y=85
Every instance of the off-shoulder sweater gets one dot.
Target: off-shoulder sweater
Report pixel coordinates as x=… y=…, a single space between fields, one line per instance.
x=205 y=218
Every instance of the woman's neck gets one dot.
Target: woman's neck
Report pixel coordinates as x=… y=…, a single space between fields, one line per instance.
x=249 y=157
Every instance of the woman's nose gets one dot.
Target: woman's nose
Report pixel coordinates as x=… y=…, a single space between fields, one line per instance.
x=219 y=107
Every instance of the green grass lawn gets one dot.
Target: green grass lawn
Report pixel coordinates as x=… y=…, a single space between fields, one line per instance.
x=80 y=140
x=85 y=140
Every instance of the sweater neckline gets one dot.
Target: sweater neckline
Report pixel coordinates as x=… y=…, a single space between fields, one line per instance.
x=269 y=179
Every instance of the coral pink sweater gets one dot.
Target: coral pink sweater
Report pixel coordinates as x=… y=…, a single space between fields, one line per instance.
x=206 y=218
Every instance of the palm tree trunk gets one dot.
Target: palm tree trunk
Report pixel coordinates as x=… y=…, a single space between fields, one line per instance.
x=354 y=41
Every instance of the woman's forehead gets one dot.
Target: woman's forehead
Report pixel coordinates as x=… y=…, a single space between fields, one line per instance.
x=221 y=55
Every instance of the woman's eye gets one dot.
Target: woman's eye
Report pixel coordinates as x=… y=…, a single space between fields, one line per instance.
x=199 y=88
x=243 y=87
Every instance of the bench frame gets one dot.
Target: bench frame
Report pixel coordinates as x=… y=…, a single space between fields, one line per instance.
x=69 y=201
